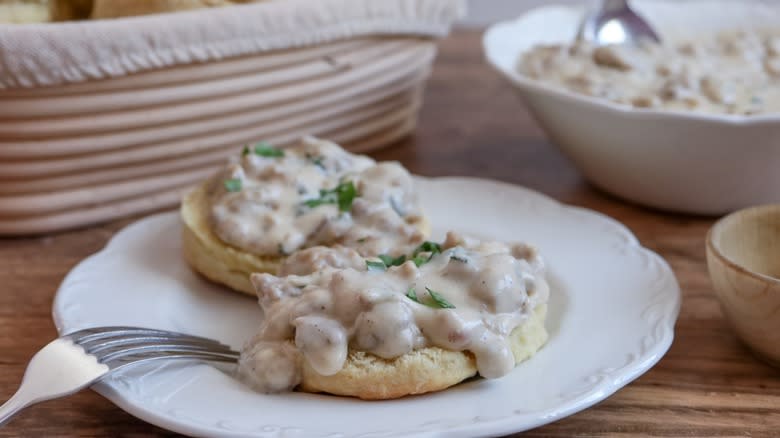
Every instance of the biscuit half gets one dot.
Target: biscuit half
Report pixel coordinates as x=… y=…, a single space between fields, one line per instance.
x=426 y=370
x=221 y=263
x=207 y=254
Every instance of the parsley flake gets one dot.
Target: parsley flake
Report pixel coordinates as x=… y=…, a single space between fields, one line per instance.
x=438 y=300
x=343 y=196
x=412 y=295
x=459 y=259
x=233 y=185
x=264 y=149
x=318 y=161
x=431 y=247
x=421 y=260
x=375 y=266
x=390 y=261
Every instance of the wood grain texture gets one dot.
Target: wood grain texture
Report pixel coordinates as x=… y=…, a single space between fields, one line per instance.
x=708 y=385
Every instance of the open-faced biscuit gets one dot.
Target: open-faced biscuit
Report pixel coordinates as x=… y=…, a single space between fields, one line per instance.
x=426 y=370
x=386 y=328
x=221 y=263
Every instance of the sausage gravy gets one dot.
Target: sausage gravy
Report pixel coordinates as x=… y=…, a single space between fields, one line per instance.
x=732 y=73
x=462 y=295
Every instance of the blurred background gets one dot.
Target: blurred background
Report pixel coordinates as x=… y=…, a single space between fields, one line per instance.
x=484 y=12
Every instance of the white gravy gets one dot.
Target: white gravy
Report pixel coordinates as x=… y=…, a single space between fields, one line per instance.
x=269 y=202
x=468 y=297
x=732 y=73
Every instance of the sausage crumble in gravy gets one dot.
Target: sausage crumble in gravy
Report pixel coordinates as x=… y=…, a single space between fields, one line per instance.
x=277 y=201
x=732 y=73
x=460 y=296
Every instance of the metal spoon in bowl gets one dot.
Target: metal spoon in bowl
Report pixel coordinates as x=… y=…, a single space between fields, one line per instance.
x=616 y=23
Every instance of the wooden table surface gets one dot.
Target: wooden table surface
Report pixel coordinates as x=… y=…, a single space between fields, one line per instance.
x=472 y=124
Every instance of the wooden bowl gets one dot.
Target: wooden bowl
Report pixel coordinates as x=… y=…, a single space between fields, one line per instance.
x=743 y=256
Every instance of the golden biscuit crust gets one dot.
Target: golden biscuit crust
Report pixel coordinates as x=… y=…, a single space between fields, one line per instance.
x=430 y=369
x=212 y=258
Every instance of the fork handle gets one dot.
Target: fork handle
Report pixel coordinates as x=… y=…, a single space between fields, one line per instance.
x=60 y=368
x=12 y=406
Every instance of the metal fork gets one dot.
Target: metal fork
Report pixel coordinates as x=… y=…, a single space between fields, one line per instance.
x=79 y=359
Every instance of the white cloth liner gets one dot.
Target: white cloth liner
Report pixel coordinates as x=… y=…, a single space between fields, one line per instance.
x=51 y=54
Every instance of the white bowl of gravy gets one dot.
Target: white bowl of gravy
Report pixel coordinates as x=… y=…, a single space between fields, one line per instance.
x=691 y=135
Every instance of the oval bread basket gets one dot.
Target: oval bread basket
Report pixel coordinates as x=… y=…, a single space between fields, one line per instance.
x=109 y=118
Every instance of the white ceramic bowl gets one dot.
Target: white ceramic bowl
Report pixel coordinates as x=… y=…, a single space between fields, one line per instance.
x=679 y=161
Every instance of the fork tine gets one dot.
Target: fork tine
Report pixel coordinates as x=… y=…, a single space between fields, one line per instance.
x=163 y=351
x=121 y=346
x=98 y=333
x=101 y=351
x=110 y=344
x=98 y=345
x=119 y=363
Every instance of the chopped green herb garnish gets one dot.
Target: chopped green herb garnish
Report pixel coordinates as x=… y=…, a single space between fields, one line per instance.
x=421 y=260
x=233 y=185
x=386 y=259
x=281 y=250
x=412 y=295
x=390 y=261
x=439 y=300
x=362 y=240
x=459 y=259
x=264 y=149
x=325 y=198
x=245 y=151
x=427 y=247
x=431 y=247
x=343 y=196
x=318 y=161
x=347 y=193
x=375 y=266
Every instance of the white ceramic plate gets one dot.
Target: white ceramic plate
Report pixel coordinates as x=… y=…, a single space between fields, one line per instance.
x=612 y=314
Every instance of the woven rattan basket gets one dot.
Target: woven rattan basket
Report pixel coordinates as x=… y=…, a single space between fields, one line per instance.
x=104 y=119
